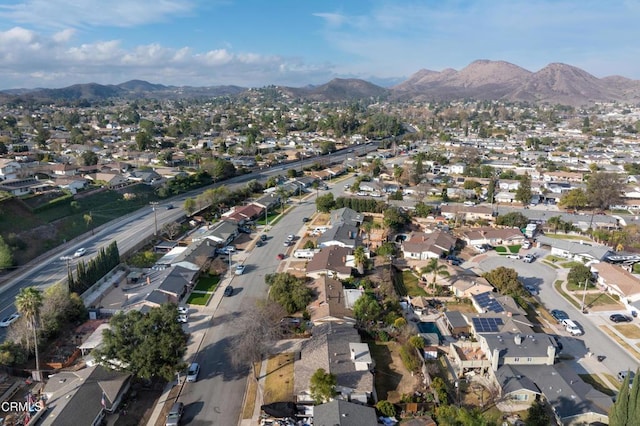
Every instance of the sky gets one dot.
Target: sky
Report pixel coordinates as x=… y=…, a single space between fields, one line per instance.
x=254 y=43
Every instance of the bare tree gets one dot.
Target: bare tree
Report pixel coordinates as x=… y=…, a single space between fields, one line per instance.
x=172 y=229
x=259 y=329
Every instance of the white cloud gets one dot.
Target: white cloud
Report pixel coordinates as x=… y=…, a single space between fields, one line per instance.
x=30 y=59
x=84 y=13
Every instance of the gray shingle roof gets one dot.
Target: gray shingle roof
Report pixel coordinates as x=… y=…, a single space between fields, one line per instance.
x=344 y=413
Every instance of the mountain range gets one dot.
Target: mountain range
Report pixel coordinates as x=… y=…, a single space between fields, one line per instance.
x=556 y=83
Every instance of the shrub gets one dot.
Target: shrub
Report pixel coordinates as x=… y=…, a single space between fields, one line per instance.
x=386 y=408
x=409 y=357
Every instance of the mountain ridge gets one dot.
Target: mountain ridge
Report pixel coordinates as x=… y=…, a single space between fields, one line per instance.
x=556 y=83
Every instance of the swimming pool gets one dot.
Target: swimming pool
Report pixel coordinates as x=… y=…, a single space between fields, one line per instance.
x=429 y=327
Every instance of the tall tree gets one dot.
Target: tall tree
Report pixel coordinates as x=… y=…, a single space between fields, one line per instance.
x=620 y=411
x=574 y=199
x=6 y=256
x=147 y=345
x=360 y=259
x=523 y=193
x=604 y=190
x=28 y=303
x=322 y=386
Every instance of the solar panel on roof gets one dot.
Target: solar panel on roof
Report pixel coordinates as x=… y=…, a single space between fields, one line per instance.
x=488 y=303
x=487 y=325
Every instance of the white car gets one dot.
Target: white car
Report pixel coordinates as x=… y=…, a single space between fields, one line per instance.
x=6 y=322
x=183 y=318
x=80 y=252
x=240 y=269
x=513 y=256
x=183 y=310
x=480 y=249
x=192 y=374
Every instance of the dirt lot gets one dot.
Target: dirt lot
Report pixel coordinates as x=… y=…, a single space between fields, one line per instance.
x=392 y=379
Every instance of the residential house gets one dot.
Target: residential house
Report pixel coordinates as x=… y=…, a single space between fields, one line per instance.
x=465 y=285
x=242 y=214
x=575 y=250
x=347 y=216
x=9 y=169
x=110 y=180
x=330 y=261
x=620 y=282
x=268 y=201
x=467 y=213
x=330 y=302
x=338 y=350
x=344 y=413
x=341 y=235
x=176 y=281
x=505 y=197
x=72 y=183
x=493 y=236
x=64 y=169
x=223 y=232
x=19 y=187
x=148 y=177
x=83 y=397
x=422 y=246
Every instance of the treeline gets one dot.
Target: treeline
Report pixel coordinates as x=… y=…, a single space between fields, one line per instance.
x=326 y=203
x=87 y=274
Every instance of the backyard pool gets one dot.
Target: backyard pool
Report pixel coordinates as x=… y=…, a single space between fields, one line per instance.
x=427 y=327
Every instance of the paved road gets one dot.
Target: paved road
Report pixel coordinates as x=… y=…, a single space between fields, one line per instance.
x=216 y=398
x=593 y=340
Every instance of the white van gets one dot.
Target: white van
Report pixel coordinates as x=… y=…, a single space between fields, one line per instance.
x=572 y=327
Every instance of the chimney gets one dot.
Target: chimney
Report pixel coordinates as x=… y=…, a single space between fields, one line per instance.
x=517 y=339
x=353 y=354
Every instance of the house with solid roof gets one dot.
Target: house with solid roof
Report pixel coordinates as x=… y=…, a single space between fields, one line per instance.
x=432 y=245
x=616 y=280
x=330 y=303
x=83 y=397
x=344 y=413
x=338 y=350
x=330 y=261
x=575 y=250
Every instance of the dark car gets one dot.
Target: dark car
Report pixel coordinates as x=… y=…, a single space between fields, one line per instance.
x=305 y=219
x=228 y=291
x=263 y=237
x=620 y=318
x=175 y=414
x=280 y=256
x=169 y=206
x=559 y=315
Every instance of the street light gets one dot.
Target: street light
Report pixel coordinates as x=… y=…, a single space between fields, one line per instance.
x=154 y=205
x=584 y=295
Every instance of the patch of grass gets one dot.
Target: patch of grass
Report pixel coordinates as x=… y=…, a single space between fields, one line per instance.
x=271 y=217
x=461 y=307
x=571 y=286
x=386 y=379
x=412 y=285
x=501 y=250
x=250 y=395
x=568 y=237
x=571 y=264
x=200 y=299
x=552 y=258
x=207 y=283
x=514 y=248
x=620 y=341
x=554 y=266
x=598 y=299
x=630 y=331
x=598 y=383
x=278 y=384
x=558 y=286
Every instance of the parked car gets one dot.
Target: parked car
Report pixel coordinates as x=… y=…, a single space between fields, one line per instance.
x=7 y=321
x=287 y=243
x=183 y=310
x=529 y=258
x=240 y=269
x=169 y=206
x=192 y=373
x=263 y=237
x=572 y=327
x=620 y=318
x=480 y=249
x=183 y=318
x=291 y=237
x=526 y=244
x=305 y=219
x=559 y=315
x=259 y=243
x=280 y=256
x=80 y=252
x=513 y=256
x=228 y=291
x=531 y=289
x=175 y=414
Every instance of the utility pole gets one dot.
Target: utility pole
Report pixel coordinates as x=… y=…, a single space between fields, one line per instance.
x=154 y=206
x=584 y=295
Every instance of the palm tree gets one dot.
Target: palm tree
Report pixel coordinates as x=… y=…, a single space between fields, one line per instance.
x=436 y=268
x=366 y=228
x=28 y=303
x=555 y=222
x=360 y=258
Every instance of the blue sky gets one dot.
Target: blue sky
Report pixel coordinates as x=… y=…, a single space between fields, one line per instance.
x=252 y=43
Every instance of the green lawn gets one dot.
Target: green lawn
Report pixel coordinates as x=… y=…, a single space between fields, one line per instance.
x=411 y=284
x=571 y=264
x=272 y=216
x=199 y=298
x=501 y=250
x=515 y=248
x=207 y=283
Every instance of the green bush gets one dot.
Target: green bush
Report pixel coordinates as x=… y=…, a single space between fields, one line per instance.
x=386 y=408
x=383 y=336
x=409 y=358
